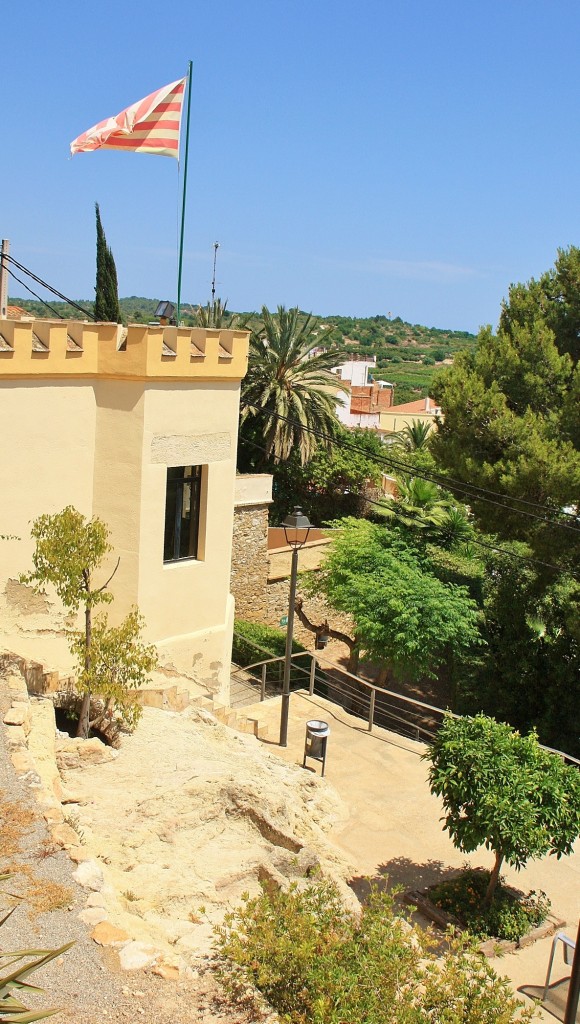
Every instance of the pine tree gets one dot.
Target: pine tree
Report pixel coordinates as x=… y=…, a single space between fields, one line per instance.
x=106 y=293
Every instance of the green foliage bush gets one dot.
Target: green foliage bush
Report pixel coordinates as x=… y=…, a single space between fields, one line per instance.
x=317 y=963
x=404 y=616
x=509 y=916
x=255 y=642
x=333 y=483
x=251 y=639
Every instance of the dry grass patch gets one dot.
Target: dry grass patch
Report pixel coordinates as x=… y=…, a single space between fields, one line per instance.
x=41 y=894
x=44 y=896
x=15 y=820
x=47 y=849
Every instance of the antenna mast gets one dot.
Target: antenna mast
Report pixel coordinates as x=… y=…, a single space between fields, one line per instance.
x=216 y=246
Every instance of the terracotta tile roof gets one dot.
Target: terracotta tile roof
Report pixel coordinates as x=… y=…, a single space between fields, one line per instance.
x=16 y=312
x=37 y=343
x=72 y=345
x=418 y=406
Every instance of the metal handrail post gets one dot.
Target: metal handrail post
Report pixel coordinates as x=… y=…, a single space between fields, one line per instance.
x=372 y=709
x=312 y=675
x=263 y=687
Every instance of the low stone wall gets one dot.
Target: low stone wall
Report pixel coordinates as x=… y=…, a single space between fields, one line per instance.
x=39 y=679
x=44 y=682
x=260 y=578
x=311 y=557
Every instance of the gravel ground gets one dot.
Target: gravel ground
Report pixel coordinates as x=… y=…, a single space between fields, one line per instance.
x=85 y=982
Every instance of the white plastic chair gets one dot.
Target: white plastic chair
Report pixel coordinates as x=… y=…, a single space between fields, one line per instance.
x=568 y=947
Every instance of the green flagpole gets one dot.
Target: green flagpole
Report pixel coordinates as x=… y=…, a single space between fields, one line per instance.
x=180 y=267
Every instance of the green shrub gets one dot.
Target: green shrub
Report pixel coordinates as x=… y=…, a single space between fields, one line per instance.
x=508 y=917
x=254 y=642
x=316 y=963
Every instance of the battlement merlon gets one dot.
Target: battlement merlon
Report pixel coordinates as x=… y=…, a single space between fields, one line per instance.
x=73 y=348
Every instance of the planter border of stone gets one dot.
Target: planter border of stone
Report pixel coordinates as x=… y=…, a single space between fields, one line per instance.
x=419 y=898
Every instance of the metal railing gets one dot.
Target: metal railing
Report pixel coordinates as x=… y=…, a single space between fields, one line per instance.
x=361 y=698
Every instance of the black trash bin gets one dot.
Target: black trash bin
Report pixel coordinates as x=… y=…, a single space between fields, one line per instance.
x=317 y=733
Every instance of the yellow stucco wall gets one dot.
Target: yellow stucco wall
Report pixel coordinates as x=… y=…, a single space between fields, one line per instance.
x=394 y=421
x=47 y=451
x=164 y=353
x=97 y=428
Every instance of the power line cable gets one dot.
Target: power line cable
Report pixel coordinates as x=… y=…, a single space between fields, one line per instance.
x=470 y=489
x=49 y=288
x=43 y=301
x=473 y=491
x=472 y=540
x=404 y=514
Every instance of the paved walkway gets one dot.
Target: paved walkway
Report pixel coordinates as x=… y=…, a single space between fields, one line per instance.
x=393 y=829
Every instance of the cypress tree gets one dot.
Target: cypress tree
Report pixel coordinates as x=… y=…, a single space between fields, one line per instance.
x=106 y=293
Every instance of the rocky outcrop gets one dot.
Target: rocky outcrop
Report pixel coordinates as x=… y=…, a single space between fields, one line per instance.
x=187 y=814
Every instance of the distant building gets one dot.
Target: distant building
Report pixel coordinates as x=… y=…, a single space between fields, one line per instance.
x=366 y=399
x=423 y=410
x=137 y=426
x=357 y=370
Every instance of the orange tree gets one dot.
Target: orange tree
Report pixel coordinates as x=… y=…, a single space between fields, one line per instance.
x=503 y=791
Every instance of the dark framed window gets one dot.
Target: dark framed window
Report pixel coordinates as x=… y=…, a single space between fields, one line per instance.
x=182 y=504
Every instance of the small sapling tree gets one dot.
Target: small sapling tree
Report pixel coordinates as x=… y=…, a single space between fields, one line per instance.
x=69 y=550
x=503 y=791
x=118 y=665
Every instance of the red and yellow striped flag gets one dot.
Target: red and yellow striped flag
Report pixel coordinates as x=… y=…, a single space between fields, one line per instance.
x=148 y=126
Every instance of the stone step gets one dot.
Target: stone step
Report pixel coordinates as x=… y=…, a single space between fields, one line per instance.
x=204 y=703
x=224 y=714
x=234 y=719
x=170 y=698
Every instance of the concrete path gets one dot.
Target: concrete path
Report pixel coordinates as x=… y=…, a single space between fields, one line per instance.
x=394 y=830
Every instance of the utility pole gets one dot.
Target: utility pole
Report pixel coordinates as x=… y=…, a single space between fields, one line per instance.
x=216 y=246
x=4 y=278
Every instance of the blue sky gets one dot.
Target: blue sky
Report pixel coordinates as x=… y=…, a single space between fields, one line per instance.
x=406 y=157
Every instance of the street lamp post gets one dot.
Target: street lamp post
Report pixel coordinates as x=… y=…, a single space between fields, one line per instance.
x=297 y=526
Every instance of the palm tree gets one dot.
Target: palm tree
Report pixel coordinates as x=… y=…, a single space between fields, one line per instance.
x=215 y=314
x=290 y=389
x=422 y=505
x=414 y=437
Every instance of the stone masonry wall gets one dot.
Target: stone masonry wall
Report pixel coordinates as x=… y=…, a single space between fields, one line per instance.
x=261 y=589
x=249 y=578
x=316 y=609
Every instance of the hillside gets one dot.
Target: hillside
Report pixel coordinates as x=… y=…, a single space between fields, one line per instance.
x=407 y=354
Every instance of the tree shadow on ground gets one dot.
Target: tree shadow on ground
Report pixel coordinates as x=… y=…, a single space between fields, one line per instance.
x=404 y=873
